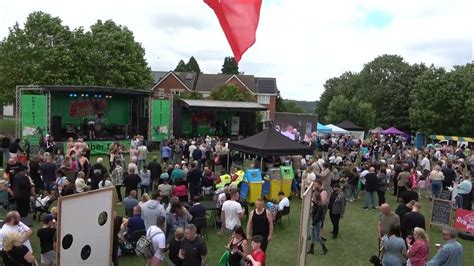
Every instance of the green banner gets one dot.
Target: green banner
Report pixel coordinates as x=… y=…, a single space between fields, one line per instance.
x=102 y=147
x=33 y=116
x=160 y=120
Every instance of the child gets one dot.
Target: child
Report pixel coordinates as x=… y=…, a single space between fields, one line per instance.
x=257 y=256
x=47 y=236
x=59 y=157
x=61 y=181
x=145 y=177
x=174 y=245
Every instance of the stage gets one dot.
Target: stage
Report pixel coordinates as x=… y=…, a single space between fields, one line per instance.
x=99 y=115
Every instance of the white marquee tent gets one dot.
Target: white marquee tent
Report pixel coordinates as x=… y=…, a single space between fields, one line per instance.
x=337 y=130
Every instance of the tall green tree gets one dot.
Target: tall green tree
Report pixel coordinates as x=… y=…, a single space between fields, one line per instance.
x=442 y=101
x=38 y=53
x=192 y=65
x=46 y=52
x=181 y=67
x=118 y=59
x=341 y=109
x=230 y=92
x=230 y=66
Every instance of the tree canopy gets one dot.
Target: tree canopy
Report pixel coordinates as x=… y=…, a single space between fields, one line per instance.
x=230 y=66
x=408 y=96
x=230 y=92
x=191 y=66
x=46 y=52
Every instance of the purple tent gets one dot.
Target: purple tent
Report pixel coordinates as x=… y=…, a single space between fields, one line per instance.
x=392 y=131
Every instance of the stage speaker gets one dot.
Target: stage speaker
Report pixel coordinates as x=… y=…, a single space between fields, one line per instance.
x=56 y=129
x=143 y=126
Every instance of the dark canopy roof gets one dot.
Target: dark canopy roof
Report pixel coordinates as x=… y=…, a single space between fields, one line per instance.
x=93 y=89
x=348 y=125
x=269 y=142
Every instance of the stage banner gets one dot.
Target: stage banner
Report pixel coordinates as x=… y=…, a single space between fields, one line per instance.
x=160 y=120
x=33 y=116
x=101 y=147
x=464 y=220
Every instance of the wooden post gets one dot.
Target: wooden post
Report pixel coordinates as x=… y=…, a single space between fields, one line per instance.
x=304 y=222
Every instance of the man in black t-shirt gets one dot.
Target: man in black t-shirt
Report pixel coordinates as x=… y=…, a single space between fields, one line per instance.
x=96 y=174
x=22 y=191
x=194 y=179
x=48 y=172
x=193 y=250
x=47 y=237
x=413 y=219
x=13 y=168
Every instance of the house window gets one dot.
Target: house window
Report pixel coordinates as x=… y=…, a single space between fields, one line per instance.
x=176 y=92
x=263 y=99
x=161 y=93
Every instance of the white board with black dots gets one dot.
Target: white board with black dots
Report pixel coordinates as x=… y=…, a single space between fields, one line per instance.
x=85 y=228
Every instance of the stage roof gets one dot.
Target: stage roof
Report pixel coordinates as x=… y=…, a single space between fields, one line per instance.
x=93 y=89
x=226 y=105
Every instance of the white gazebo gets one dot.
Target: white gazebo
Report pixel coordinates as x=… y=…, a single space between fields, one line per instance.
x=337 y=130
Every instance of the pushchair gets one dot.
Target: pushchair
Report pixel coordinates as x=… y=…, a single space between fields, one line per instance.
x=41 y=206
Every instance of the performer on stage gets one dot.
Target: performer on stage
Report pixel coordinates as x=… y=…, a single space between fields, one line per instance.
x=91 y=129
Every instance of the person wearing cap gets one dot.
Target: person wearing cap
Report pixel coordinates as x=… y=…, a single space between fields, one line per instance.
x=47 y=237
x=336 y=207
x=22 y=190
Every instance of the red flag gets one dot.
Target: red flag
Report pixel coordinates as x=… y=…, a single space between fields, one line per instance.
x=239 y=20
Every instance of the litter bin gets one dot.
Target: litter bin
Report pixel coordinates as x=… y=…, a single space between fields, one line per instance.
x=275 y=188
x=255 y=191
x=286 y=186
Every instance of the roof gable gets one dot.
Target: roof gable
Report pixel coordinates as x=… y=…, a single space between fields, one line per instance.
x=209 y=82
x=241 y=82
x=171 y=74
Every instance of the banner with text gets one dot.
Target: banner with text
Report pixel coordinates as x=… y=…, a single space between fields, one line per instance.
x=160 y=120
x=464 y=220
x=102 y=147
x=33 y=116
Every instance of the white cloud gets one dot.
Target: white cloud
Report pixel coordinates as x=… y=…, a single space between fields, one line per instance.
x=301 y=43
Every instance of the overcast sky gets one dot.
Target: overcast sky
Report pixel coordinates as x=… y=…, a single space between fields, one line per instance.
x=300 y=42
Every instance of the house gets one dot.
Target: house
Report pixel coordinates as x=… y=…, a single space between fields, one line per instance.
x=169 y=83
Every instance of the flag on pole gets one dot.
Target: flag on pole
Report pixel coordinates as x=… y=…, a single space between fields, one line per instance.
x=239 y=20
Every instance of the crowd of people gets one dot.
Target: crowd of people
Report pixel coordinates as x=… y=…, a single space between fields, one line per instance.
x=162 y=196
x=389 y=163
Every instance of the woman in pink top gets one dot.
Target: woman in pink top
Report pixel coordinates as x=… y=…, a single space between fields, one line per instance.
x=181 y=191
x=418 y=251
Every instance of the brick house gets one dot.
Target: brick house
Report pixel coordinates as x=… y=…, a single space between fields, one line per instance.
x=264 y=90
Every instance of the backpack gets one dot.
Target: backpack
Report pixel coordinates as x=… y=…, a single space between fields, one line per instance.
x=144 y=246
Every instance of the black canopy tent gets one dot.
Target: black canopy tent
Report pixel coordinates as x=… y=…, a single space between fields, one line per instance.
x=269 y=142
x=348 y=125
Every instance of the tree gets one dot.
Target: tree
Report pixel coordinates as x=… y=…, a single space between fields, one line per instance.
x=181 y=67
x=230 y=92
x=192 y=65
x=192 y=95
x=341 y=109
x=290 y=106
x=230 y=66
x=442 y=101
x=46 y=52
x=118 y=60
x=36 y=54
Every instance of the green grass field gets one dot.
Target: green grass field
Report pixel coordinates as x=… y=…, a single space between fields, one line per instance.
x=7 y=126
x=356 y=243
